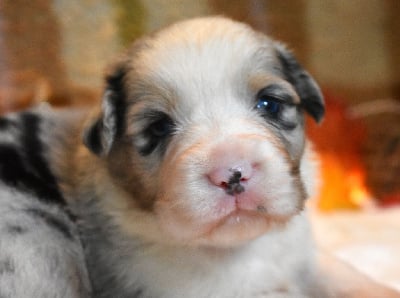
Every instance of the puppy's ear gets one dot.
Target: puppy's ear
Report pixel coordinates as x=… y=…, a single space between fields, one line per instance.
x=109 y=123
x=308 y=90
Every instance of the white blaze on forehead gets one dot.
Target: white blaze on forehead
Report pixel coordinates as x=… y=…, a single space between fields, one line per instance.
x=204 y=58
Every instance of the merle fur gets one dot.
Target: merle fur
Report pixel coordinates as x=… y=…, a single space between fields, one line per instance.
x=23 y=165
x=52 y=221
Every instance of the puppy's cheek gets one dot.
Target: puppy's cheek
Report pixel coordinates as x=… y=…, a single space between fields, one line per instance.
x=184 y=208
x=282 y=190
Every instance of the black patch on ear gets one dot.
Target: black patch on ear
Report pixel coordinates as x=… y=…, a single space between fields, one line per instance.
x=111 y=123
x=92 y=138
x=311 y=98
x=117 y=97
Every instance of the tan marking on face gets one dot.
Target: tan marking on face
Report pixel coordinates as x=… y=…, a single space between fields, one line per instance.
x=259 y=81
x=128 y=170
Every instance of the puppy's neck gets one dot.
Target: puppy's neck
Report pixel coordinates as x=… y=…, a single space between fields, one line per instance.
x=259 y=266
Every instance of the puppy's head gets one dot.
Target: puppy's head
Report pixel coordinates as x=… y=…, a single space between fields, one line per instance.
x=202 y=128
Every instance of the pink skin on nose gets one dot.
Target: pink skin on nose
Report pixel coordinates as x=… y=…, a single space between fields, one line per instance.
x=238 y=191
x=221 y=176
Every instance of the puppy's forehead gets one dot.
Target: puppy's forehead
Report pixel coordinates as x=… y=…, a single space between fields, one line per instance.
x=200 y=60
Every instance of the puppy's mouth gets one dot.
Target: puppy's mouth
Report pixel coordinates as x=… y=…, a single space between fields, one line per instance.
x=242 y=218
x=241 y=226
x=236 y=219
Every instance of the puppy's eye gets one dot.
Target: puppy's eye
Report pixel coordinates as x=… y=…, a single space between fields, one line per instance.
x=277 y=107
x=268 y=105
x=161 y=127
x=156 y=134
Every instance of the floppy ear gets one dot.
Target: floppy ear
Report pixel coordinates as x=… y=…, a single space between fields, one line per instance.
x=308 y=90
x=107 y=125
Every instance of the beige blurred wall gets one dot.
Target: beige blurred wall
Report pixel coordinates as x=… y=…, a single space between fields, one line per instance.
x=351 y=47
x=347 y=44
x=89 y=39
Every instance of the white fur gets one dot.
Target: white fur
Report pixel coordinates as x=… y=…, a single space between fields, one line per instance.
x=258 y=269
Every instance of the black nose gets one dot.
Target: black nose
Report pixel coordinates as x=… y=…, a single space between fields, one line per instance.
x=233 y=186
x=235 y=178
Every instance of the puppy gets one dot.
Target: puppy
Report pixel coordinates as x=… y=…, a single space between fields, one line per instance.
x=200 y=165
x=191 y=179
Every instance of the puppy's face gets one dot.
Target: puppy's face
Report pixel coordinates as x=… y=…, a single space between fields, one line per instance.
x=202 y=128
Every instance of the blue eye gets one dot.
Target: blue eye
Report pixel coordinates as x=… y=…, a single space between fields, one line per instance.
x=269 y=106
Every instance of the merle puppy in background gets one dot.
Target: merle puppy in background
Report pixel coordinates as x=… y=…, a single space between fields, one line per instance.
x=189 y=181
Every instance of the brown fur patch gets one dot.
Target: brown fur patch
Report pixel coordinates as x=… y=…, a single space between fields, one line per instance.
x=128 y=170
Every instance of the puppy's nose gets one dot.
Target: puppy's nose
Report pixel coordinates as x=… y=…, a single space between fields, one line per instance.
x=231 y=179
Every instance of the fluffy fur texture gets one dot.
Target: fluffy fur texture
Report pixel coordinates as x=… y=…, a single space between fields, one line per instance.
x=41 y=253
x=191 y=179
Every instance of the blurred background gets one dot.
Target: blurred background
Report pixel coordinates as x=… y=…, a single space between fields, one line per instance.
x=56 y=51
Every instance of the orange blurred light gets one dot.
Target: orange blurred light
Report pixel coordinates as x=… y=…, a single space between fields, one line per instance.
x=343 y=186
x=358 y=192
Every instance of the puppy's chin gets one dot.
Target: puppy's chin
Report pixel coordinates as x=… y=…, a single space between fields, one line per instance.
x=239 y=228
x=236 y=228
